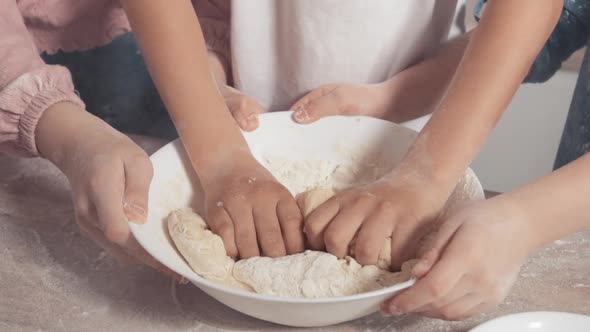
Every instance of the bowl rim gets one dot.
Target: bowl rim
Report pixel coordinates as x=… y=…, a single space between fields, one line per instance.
x=200 y=281
x=528 y=315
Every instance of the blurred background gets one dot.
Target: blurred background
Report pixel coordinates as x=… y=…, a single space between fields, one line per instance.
x=524 y=145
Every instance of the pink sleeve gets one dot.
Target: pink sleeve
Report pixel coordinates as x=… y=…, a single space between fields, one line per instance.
x=27 y=85
x=214 y=17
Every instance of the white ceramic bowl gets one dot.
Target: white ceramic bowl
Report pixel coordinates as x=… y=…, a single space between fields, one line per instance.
x=175 y=186
x=541 y=321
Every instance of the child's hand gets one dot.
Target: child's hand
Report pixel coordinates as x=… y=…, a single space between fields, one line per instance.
x=343 y=99
x=470 y=265
x=244 y=109
x=252 y=212
x=400 y=209
x=109 y=177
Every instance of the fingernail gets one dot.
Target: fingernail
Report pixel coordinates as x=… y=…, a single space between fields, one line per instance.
x=252 y=122
x=420 y=267
x=301 y=115
x=136 y=213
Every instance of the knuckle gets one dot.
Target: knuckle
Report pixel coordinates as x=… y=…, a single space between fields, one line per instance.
x=140 y=159
x=333 y=240
x=437 y=289
x=244 y=103
x=313 y=229
x=245 y=233
x=116 y=234
x=364 y=253
x=448 y=314
x=82 y=208
x=97 y=180
x=384 y=207
x=224 y=229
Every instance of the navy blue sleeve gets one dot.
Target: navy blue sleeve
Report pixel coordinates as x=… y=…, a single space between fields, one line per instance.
x=571 y=33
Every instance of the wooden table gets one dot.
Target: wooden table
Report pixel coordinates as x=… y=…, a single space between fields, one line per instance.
x=53 y=279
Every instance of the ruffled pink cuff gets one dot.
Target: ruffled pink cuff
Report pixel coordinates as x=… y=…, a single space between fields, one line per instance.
x=23 y=102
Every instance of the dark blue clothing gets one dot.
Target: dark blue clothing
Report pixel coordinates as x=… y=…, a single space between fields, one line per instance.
x=115 y=85
x=571 y=34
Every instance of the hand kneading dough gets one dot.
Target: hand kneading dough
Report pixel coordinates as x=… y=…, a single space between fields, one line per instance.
x=311 y=274
x=310 y=200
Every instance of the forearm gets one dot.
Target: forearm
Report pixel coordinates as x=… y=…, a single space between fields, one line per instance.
x=556 y=205
x=497 y=58
x=417 y=90
x=172 y=43
x=219 y=68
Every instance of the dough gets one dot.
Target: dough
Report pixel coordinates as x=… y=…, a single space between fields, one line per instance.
x=203 y=250
x=311 y=274
x=310 y=200
x=314 y=274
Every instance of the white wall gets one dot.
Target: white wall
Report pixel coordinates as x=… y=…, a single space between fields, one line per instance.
x=524 y=144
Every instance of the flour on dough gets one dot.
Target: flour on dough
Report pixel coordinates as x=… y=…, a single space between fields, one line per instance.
x=311 y=274
x=203 y=250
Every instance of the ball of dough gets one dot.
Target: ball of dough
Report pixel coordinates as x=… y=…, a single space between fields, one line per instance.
x=310 y=200
x=203 y=250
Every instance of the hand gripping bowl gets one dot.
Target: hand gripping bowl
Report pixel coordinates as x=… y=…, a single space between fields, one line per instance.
x=176 y=186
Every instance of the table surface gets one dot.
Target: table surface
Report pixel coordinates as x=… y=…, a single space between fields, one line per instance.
x=53 y=279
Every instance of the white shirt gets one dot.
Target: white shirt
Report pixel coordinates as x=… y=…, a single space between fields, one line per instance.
x=282 y=49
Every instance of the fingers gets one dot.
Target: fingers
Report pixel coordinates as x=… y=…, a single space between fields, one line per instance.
x=316 y=223
x=107 y=196
x=245 y=111
x=317 y=104
x=138 y=176
x=291 y=222
x=268 y=230
x=461 y=308
x=436 y=285
x=300 y=104
x=433 y=249
x=404 y=242
x=371 y=237
x=244 y=228
x=221 y=224
x=342 y=229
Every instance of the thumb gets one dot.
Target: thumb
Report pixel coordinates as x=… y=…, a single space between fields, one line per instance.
x=138 y=177
x=434 y=245
x=315 y=105
x=245 y=111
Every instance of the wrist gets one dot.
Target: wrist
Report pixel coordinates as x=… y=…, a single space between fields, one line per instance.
x=519 y=219
x=220 y=163
x=62 y=128
x=53 y=133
